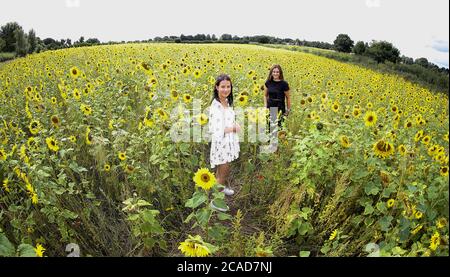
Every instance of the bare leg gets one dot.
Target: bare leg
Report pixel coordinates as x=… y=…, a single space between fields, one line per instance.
x=222 y=173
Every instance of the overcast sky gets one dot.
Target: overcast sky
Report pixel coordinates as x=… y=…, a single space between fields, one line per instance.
x=419 y=28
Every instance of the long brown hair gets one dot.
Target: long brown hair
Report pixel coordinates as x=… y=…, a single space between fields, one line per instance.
x=220 y=78
x=270 y=78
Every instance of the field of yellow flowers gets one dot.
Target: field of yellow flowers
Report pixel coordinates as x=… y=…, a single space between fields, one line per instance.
x=87 y=161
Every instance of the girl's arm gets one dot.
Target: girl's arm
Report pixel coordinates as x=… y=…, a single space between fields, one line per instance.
x=266 y=95
x=288 y=100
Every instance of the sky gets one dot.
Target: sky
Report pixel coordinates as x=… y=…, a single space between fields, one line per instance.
x=418 y=28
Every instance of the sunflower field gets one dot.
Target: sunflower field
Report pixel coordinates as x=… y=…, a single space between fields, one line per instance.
x=86 y=157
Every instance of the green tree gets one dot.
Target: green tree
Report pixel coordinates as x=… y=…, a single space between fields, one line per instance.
x=7 y=34
x=406 y=60
x=422 y=62
x=32 y=41
x=343 y=43
x=360 y=48
x=382 y=51
x=226 y=37
x=2 y=44
x=21 y=43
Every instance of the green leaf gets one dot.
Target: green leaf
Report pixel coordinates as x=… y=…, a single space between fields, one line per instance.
x=197 y=199
x=220 y=203
x=372 y=188
x=203 y=216
x=149 y=242
x=142 y=203
x=381 y=206
x=325 y=249
x=190 y=216
x=304 y=228
x=6 y=247
x=359 y=175
x=385 y=223
x=26 y=250
x=223 y=216
x=398 y=251
x=368 y=210
x=304 y=253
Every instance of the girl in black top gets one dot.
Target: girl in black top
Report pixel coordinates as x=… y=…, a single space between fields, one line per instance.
x=276 y=93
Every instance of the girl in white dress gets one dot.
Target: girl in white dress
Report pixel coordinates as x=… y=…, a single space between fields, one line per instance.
x=224 y=129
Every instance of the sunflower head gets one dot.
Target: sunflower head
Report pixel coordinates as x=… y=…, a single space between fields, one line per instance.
x=370 y=118
x=204 y=178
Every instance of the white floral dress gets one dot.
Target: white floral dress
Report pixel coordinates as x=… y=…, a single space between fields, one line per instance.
x=224 y=147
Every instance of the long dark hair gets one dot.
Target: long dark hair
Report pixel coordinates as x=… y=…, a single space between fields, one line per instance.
x=270 y=77
x=220 y=78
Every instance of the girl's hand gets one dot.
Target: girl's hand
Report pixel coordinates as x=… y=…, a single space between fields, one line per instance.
x=237 y=128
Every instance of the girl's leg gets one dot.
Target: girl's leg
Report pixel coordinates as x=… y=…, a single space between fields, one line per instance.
x=222 y=173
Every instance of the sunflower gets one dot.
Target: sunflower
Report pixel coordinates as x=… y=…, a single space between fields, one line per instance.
x=34 y=198
x=345 y=142
x=34 y=127
x=2 y=155
x=202 y=119
x=55 y=121
x=74 y=72
x=370 y=118
x=162 y=114
x=204 y=178
x=444 y=171
x=197 y=73
x=31 y=142
x=402 y=150
x=252 y=115
x=152 y=82
x=356 y=112
x=53 y=100
x=333 y=234
x=426 y=139
x=435 y=241
x=418 y=215
x=187 y=98
x=5 y=185
x=52 y=144
x=282 y=134
x=76 y=94
x=194 y=247
x=174 y=94
x=148 y=121
x=441 y=223
x=335 y=107
x=394 y=109
x=86 y=109
x=408 y=124
x=73 y=139
x=242 y=100
x=432 y=150
x=39 y=250
x=383 y=149
x=129 y=168
x=106 y=167
x=418 y=135
x=88 y=136
x=122 y=156
x=390 y=203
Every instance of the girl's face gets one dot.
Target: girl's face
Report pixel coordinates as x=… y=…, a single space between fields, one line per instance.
x=276 y=73
x=224 y=89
